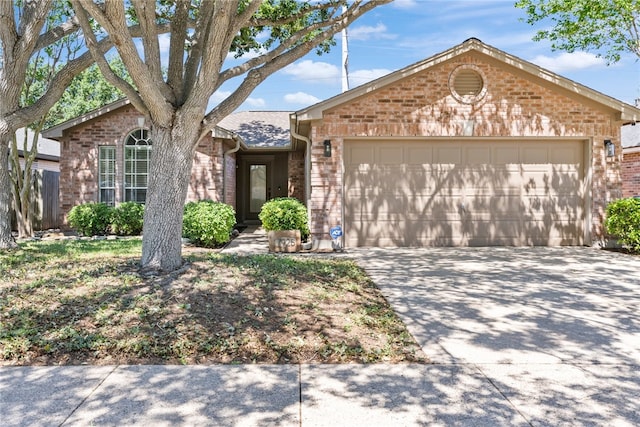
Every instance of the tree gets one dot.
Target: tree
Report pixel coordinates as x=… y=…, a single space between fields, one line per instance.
x=41 y=69
x=87 y=91
x=22 y=35
x=203 y=33
x=608 y=27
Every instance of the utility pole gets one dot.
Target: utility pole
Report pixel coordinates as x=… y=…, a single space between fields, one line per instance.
x=345 y=58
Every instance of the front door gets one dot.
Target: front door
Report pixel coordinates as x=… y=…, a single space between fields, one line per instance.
x=259 y=190
x=261 y=177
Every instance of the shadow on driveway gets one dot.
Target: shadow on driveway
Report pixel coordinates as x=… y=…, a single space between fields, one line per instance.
x=556 y=330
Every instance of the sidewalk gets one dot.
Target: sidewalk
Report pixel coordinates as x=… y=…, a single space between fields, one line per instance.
x=252 y=240
x=251 y=395
x=523 y=337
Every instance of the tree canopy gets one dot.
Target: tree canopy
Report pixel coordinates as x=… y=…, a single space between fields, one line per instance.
x=609 y=28
x=174 y=98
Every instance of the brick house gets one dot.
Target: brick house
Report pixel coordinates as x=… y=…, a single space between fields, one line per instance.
x=472 y=146
x=105 y=156
x=631 y=161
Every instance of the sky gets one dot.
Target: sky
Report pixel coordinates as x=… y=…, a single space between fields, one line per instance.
x=404 y=32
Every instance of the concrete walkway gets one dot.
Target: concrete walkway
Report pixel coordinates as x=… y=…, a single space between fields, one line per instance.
x=555 y=331
x=519 y=337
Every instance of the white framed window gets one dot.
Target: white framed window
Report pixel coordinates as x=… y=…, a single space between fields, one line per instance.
x=137 y=155
x=107 y=174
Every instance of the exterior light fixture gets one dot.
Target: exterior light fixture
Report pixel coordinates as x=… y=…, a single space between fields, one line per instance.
x=327 y=148
x=609 y=148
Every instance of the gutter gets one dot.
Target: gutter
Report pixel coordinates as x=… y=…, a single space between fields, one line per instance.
x=307 y=163
x=238 y=141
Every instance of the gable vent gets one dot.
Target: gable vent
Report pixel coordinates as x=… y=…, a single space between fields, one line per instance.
x=468 y=83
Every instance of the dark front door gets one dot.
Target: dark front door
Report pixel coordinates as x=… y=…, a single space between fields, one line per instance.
x=261 y=177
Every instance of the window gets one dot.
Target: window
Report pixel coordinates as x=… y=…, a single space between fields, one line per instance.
x=137 y=153
x=107 y=175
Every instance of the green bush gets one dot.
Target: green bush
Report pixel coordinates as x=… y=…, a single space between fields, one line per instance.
x=91 y=219
x=207 y=223
x=127 y=219
x=623 y=221
x=285 y=213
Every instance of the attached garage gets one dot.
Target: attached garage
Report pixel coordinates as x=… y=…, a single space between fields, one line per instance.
x=464 y=193
x=470 y=147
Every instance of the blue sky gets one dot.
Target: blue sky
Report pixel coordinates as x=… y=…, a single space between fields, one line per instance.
x=407 y=31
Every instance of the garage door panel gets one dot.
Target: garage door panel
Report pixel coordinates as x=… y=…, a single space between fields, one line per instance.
x=472 y=193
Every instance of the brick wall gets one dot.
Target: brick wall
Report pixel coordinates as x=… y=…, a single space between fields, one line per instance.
x=422 y=105
x=631 y=172
x=79 y=161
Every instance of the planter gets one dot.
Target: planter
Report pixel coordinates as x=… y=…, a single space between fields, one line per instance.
x=284 y=240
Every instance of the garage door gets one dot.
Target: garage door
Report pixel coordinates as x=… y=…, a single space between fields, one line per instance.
x=471 y=193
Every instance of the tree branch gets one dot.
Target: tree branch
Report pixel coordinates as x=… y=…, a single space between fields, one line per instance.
x=177 y=42
x=98 y=57
x=146 y=13
x=282 y=56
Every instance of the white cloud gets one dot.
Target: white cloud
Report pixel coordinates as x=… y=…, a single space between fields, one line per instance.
x=256 y=102
x=569 y=61
x=310 y=70
x=219 y=96
x=359 y=77
x=405 y=4
x=245 y=57
x=367 y=32
x=301 y=98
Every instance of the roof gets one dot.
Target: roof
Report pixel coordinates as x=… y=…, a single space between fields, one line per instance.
x=260 y=129
x=48 y=149
x=256 y=129
x=57 y=130
x=625 y=113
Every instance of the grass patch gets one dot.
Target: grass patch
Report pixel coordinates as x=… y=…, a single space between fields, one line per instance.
x=75 y=302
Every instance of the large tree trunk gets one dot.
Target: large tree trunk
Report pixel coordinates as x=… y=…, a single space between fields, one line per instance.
x=6 y=239
x=169 y=174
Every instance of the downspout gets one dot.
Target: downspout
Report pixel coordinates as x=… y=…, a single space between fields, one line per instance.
x=307 y=167
x=224 y=165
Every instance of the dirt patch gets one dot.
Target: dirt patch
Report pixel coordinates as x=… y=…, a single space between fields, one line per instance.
x=92 y=308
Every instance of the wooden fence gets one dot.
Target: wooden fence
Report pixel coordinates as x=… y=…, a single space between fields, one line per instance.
x=45 y=206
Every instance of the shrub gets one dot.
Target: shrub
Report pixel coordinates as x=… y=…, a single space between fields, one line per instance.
x=207 y=223
x=623 y=221
x=91 y=219
x=285 y=213
x=127 y=219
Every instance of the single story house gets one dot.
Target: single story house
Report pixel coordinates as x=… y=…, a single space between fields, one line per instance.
x=106 y=153
x=631 y=161
x=472 y=146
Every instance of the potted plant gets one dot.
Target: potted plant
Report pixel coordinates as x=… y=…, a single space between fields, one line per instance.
x=285 y=220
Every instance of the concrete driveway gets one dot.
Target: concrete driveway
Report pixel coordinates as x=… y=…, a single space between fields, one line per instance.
x=554 y=331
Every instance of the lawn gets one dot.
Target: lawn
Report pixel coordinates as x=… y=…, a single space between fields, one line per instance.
x=84 y=302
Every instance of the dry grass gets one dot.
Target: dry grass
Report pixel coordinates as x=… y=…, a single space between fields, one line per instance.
x=80 y=302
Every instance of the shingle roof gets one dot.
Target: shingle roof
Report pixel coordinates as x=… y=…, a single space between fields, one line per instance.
x=268 y=129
